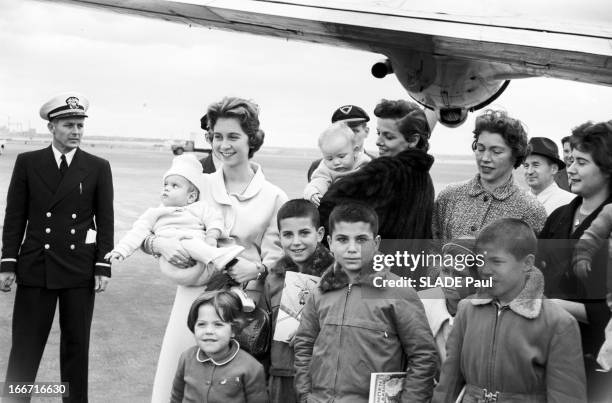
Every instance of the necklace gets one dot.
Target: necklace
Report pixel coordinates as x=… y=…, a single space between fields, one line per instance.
x=579 y=217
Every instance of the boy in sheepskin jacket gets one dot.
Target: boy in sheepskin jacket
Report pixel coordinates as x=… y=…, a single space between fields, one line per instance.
x=352 y=326
x=300 y=235
x=509 y=343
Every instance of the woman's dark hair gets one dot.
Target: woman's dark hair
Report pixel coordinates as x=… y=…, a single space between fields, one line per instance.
x=411 y=120
x=511 y=130
x=227 y=305
x=595 y=139
x=246 y=112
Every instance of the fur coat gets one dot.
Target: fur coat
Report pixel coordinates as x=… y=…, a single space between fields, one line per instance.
x=399 y=188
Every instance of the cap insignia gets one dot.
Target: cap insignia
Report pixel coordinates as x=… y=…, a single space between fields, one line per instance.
x=72 y=102
x=346 y=109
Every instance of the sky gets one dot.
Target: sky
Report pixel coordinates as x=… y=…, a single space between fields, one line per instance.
x=150 y=78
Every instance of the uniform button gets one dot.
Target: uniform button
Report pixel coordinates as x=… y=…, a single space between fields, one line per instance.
x=72 y=247
x=48 y=214
x=473 y=228
x=486 y=198
x=47 y=246
x=47 y=230
x=72 y=231
x=73 y=215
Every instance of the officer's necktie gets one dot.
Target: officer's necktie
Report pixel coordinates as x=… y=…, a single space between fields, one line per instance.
x=63 y=165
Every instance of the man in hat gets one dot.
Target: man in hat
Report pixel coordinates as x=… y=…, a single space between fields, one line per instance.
x=57 y=228
x=357 y=119
x=541 y=166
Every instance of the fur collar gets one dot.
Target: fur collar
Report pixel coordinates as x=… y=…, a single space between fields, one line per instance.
x=529 y=301
x=501 y=192
x=320 y=260
x=335 y=278
x=416 y=159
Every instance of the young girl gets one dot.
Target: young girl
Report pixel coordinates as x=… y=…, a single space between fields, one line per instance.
x=216 y=369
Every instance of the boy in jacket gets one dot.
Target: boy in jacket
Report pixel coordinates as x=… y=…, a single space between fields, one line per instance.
x=509 y=343
x=300 y=235
x=352 y=326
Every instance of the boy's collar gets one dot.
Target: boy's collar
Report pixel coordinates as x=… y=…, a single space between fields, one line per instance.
x=318 y=262
x=528 y=303
x=336 y=278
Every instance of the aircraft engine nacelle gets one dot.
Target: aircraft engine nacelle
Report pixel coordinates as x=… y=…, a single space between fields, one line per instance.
x=382 y=68
x=451 y=117
x=451 y=87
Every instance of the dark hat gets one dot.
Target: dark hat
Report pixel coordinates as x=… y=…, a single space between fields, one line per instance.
x=350 y=113
x=66 y=105
x=547 y=148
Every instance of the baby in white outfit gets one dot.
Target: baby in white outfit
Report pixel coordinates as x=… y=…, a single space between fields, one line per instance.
x=180 y=216
x=341 y=155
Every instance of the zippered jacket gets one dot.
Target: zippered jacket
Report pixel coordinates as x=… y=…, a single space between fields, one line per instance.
x=528 y=351
x=348 y=332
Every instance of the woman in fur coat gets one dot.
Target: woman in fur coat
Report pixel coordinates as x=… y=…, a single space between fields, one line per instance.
x=397 y=184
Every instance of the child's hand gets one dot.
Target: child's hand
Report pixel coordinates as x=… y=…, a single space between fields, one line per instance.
x=114 y=256
x=316 y=199
x=211 y=241
x=582 y=269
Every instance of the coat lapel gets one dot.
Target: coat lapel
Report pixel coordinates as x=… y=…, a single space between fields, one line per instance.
x=48 y=170
x=74 y=176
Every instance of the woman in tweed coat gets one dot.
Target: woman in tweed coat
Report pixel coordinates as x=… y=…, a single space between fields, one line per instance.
x=463 y=209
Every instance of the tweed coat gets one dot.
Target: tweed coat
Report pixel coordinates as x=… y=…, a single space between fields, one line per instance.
x=463 y=209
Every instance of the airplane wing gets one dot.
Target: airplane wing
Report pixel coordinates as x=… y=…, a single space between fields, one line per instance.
x=450 y=57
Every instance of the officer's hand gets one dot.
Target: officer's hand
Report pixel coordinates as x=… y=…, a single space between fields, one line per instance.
x=113 y=256
x=6 y=280
x=101 y=283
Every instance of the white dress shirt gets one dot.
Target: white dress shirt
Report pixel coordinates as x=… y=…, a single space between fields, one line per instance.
x=58 y=156
x=554 y=197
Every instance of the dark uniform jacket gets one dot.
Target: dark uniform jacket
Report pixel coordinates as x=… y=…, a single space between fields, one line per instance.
x=55 y=215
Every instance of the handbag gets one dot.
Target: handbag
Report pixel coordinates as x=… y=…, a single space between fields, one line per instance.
x=256 y=334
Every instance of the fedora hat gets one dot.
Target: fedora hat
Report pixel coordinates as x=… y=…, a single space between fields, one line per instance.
x=547 y=148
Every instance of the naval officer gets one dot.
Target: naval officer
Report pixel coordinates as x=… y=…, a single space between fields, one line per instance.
x=57 y=228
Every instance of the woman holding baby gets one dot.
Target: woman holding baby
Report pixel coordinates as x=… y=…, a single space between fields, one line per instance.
x=248 y=203
x=397 y=184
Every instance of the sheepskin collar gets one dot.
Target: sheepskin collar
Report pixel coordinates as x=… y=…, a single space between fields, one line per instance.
x=335 y=278
x=529 y=301
x=320 y=260
x=501 y=192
